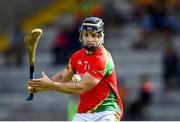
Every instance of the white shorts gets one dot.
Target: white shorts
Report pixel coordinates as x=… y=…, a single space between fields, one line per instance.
x=99 y=116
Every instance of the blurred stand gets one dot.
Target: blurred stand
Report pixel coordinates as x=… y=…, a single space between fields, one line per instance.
x=73 y=34
x=60 y=49
x=122 y=88
x=66 y=42
x=15 y=54
x=156 y=18
x=116 y=13
x=170 y=67
x=143 y=100
x=123 y=93
x=178 y=74
x=122 y=29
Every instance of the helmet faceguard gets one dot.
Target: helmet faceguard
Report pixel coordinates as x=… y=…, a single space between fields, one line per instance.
x=93 y=25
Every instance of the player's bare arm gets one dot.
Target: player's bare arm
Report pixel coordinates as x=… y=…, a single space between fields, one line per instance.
x=45 y=83
x=63 y=76
x=87 y=83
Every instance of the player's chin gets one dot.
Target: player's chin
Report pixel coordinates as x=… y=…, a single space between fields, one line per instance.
x=90 y=48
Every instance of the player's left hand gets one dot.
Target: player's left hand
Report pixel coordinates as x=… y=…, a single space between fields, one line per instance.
x=41 y=84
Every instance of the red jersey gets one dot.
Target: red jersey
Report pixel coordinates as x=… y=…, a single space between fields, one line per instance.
x=104 y=96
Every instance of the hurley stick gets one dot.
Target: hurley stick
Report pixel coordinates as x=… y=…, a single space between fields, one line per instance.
x=31 y=40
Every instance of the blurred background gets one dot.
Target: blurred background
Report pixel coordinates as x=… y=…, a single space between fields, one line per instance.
x=142 y=36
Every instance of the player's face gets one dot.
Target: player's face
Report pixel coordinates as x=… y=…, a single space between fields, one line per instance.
x=91 y=40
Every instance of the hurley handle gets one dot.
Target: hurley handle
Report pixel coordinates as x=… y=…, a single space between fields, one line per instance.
x=31 y=95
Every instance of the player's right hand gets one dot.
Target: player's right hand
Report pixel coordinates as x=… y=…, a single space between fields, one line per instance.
x=41 y=84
